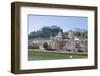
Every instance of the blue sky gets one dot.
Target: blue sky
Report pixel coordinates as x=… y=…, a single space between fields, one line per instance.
x=36 y=22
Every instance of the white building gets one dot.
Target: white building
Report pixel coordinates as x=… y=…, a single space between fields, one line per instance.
x=71 y=34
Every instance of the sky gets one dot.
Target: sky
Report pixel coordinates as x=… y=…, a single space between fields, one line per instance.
x=36 y=22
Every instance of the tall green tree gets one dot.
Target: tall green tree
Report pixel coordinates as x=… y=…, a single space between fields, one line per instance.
x=45 y=45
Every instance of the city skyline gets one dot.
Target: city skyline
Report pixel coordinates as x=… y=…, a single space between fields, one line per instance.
x=36 y=22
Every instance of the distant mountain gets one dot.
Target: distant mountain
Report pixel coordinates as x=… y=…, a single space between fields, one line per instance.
x=79 y=30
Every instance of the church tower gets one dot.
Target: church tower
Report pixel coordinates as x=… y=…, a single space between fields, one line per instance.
x=60 y=34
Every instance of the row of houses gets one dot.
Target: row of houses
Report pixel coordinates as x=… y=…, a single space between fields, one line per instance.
x=58 y=43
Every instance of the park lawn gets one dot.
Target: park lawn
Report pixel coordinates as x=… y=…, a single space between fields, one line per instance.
x=38 y=55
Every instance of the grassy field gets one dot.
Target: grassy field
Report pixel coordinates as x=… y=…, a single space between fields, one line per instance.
x=37 y=55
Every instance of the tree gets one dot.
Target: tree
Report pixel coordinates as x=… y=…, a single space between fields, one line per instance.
x=78 y=34
x=45 y=45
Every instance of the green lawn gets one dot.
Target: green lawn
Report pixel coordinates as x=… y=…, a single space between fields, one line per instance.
x=37 y=55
